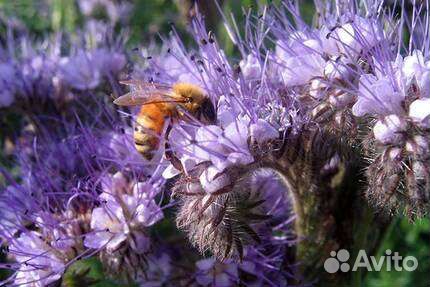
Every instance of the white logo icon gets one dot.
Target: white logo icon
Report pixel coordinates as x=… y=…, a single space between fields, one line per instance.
x=336 y=261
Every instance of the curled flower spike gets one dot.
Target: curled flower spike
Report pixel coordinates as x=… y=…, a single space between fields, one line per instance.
x=395 y=94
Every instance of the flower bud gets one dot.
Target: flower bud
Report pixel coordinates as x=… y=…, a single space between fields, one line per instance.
x=419 y=111
x=389 y=129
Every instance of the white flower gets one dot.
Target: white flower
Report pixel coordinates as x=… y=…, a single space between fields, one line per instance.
x=419 y=111
x=388 y=130
x=414 y=67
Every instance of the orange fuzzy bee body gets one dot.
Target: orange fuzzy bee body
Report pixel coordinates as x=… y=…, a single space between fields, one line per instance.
x=159 y=102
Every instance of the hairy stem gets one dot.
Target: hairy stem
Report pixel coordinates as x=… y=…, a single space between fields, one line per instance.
x=331 y=213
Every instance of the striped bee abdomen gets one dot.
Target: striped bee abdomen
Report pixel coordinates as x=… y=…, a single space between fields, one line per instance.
x=148 y=128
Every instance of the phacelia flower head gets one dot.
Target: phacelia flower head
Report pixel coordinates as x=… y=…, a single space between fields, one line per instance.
x=393 y=91
x=122 y=214
x=119 y=225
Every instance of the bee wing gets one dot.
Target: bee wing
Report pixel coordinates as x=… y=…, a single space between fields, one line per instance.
x=146 y=93
x=139 y=99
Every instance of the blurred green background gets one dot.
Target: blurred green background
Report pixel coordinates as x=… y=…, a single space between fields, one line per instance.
x=144 y=19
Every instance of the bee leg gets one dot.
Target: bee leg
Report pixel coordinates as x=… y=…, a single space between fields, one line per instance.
x=170 y=155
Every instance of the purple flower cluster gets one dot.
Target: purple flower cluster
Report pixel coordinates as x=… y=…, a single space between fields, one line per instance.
x=222 y=145
x=56 y=70
x=122 y=215
x=70 y=206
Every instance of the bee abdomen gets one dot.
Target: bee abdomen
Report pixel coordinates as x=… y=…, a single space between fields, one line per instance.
x=145 y=143
x=148 y=128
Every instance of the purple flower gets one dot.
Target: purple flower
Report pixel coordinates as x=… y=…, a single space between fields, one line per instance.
x=300 y=59
x=123 y=214
x=121 y=146
x=262 y=131
x=222 y=146
x=108 y=62
x=79 y=71
x=356 y=34
x=114 y=11
x=377 y=96
x=84 y=70
x=158 y=272
x=8 y=82
x=11 y=218
x=250 y=67
x=39 y=263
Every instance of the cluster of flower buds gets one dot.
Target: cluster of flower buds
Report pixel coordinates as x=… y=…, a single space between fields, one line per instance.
x=397 y=96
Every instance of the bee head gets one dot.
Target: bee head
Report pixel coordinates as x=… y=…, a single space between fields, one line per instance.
x=206 y=112
x=197 y=103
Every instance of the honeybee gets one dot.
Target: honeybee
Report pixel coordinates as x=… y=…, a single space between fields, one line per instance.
x=159 y=102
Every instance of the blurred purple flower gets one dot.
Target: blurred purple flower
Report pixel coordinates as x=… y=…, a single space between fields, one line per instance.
x=158 y=272
x=114 y=11
x=108 y=62
x=79 y=71
x=213 y=273
x=8 y=84
x=40 y=263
